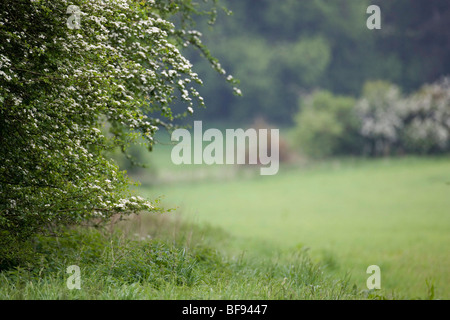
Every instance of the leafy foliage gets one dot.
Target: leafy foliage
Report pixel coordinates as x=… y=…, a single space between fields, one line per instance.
x=380 y=111
x=427 y=122
x=381 y=122
x=69 y=95
x=281 y=49
x=326 y=124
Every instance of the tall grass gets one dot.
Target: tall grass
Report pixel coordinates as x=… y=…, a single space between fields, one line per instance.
x=170 y=265
x=350 y=213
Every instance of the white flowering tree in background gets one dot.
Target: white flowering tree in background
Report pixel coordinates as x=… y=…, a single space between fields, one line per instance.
x=427 y=122
x=418 y=123
x=382 y=122
x=74 y=83
x=380 y=111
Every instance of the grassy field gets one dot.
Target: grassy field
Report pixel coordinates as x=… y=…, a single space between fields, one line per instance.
x=394 y=213
x=157 y=257
x=309 y=232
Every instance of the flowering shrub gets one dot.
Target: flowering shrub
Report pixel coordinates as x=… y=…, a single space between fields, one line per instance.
x=380 y=110
x=418 y=123
x=68 y=95
x=427 y=124
x=381 y=122
x=326 y=125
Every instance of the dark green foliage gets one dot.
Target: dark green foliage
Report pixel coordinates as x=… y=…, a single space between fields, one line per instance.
x=282 y=49
x=327 y=125
x=115 y=266
x=120 y=259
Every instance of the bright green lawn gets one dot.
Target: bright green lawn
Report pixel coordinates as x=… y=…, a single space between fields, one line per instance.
x=394 y=213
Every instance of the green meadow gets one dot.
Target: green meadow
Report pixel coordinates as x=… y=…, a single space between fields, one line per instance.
x=309 y=232
x=348 y=214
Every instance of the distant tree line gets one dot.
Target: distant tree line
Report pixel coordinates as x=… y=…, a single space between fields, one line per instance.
x=282 y=50
x=382 y=122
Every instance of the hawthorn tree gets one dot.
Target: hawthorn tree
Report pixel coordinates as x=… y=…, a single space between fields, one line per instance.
x=381 y=110
x=427 y=120
x=79 y=78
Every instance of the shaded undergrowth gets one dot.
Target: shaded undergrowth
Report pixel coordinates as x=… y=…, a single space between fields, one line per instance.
x=172 y=260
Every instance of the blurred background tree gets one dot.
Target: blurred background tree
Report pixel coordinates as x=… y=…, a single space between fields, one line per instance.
x=380 y=110
x=326 y=125
x=427 y=119
x=280 y=50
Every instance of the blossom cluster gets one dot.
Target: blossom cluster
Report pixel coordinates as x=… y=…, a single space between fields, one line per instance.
x=69 y=95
